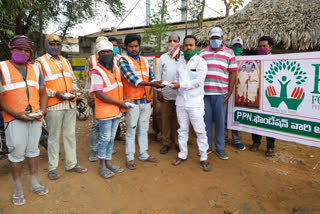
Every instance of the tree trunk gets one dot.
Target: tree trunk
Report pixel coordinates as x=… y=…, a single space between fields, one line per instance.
x=186 y=33
x=41 y=44
x=162 y=20
x=201 y=13
x=227 y=7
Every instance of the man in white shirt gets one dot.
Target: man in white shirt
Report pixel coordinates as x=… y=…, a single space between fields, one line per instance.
x=190 y=76
x=166 y=71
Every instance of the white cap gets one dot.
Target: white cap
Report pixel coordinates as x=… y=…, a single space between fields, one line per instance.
x=216 y=32
x=104 y=45
x=99 y=38
x=237 y=41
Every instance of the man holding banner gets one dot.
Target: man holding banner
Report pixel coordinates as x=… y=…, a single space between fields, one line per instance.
x=265 y=46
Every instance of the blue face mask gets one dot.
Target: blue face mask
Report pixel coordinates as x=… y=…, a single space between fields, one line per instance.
x=215 y=43
x=134 y=57
x=115 y=50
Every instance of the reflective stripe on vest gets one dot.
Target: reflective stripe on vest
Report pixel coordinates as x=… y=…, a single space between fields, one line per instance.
x=94 y=60
x=57 y=78
x=137 y=92
x=15 y=88
x=113 y=88
x=139 y=72
x=48 y=70
x=11 y=86
x=110 y=86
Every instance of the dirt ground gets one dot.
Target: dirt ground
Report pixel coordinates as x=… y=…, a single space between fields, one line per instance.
x=246 y=183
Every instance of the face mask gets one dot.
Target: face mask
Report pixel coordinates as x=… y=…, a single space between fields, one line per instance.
x=173 y=49
x=106 y=61
x=188 y=55
x=215 y=43
x=19 y=57
x=115 y=50
x=134 y=57
x=53 y=51
x=262 y=51
x=237 y=51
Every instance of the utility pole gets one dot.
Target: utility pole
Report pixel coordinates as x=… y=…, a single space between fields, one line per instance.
x=186 y=33
x=147 y=12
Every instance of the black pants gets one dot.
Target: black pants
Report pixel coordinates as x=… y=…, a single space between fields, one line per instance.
x=257 y=140
x=118 y=131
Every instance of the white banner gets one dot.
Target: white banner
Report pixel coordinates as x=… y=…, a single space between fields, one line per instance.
x=278 y=96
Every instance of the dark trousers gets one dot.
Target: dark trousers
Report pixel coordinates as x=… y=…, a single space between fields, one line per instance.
x=257 y=140
x=118 y=131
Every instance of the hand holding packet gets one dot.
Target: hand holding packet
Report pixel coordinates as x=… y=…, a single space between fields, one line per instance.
x=35 y=114
x=167 y=83
x=130 y=105
x=68 y=95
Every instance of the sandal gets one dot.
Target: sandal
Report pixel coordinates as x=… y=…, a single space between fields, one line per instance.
x=205 y=166
x=106 y=173
x=178 y=161
x=131 y=165
x=53 y=175
x=151 y=159
x=40 y=190
x=115 y=168
x=18 y=200
x=78 y=169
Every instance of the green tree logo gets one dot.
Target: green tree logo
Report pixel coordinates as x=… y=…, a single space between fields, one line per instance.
x=285 y=69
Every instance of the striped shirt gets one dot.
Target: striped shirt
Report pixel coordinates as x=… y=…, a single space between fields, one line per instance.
x=219 y=64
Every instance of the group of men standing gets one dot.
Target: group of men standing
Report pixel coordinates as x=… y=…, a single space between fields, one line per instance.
x=30 y=91
x=206 y=83
x=192 y=89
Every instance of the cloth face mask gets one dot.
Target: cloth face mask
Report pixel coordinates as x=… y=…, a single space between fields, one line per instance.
x=19 y=57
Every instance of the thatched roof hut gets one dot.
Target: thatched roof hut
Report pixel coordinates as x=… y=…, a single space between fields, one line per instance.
x=294 y=24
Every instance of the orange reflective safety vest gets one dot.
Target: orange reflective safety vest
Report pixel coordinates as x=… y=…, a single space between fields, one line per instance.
x=56 y=79
x=94 y=60
x=112 y=86
x=15 y=88
x=142 y=72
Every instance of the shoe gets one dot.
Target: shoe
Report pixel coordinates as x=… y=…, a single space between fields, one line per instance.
x=221 y=154
x=270 y=152
x=93 y=156
x=240 y=146
x=254 y=147
x=164 y=149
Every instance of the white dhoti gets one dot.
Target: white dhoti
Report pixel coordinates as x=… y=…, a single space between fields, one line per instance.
x=253 y=90
x=195 y=115
x=242 y=86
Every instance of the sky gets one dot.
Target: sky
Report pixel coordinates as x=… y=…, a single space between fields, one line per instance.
x=137 y=16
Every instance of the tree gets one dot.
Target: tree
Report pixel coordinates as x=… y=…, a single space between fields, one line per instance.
x=196 y=11
x=158 y=27
x=31 y=17
x=232 y=4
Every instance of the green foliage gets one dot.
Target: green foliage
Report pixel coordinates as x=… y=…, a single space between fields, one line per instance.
x=285 y=65
x=194 y=9
x=235 y=4
x=232 y=4
x=33 y=16
x=156 y=32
